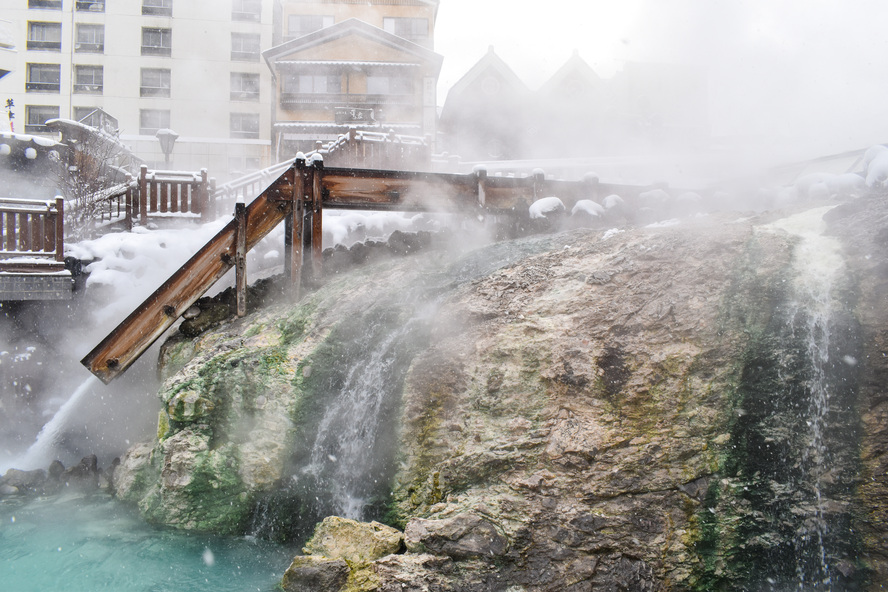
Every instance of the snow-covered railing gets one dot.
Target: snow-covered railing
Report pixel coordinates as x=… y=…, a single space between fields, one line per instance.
x=174 y=194
x=376 y=150
x=119 y=203
x=245 y=188
x=31 y=229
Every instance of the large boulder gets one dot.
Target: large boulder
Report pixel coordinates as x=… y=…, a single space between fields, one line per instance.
x=356 y=542
x=315 y=574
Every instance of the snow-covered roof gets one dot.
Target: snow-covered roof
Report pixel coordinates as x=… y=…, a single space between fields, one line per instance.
x=489 y=63
x=25 y=138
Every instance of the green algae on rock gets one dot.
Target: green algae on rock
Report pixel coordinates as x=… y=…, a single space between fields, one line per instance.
x=600 y=399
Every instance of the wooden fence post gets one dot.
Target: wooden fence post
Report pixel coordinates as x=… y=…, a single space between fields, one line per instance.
x=205 y=214
x=60 y=229
x=481 y=179
x=317 y=219
x=539 y=181
x=128 y=206
x=240 y=257
x=143 y=195
x=293 y=229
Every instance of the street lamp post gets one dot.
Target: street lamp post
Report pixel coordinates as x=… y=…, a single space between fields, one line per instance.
x=167 y=139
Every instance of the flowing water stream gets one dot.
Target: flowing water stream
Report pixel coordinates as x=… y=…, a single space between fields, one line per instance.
x=808 y=428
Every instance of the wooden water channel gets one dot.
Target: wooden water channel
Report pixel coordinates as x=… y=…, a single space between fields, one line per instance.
x=297 y=198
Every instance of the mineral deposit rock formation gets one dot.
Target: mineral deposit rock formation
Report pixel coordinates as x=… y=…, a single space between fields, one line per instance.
x=659 y=408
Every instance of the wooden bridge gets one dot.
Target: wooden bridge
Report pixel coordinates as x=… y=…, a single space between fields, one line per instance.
x=297 y=197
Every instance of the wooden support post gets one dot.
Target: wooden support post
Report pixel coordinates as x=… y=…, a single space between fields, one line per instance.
x=481 y=177
x=317 y=219
x=539 y=180
x=206 y=211
x=240 y=257
x=60 y=229
x=293 y=230
x=128 y=207
x=143 y=195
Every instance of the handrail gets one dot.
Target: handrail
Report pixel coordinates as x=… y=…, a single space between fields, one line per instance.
x=32 y=228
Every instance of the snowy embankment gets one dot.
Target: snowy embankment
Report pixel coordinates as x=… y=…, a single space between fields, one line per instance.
x=126 y=267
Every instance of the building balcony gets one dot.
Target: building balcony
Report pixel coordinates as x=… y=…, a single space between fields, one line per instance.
x=91 y=5
x=45 y=45
x=88 y=89
x=43 y=87
x=50 y=4
x=316 y=100
x=89 y=47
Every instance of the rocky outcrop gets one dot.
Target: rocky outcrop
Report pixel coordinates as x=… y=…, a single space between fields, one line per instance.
x=86 y=476
x=586 y=410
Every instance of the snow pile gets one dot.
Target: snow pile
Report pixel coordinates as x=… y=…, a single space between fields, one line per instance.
x=128 y=266
x=545 y=206
x=588 y=207
x=876 y=162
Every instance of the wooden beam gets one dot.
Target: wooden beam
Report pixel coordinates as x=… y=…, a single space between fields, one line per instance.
x=317 y=220
x=240 y=257
x=160 y=310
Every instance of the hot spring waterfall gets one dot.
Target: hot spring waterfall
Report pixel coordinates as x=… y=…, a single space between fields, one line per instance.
x=344 y=461
x=40 y=453
x=814 y=375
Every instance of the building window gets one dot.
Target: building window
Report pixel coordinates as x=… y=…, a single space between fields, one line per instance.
x=414 y=29
x=90 y=38
x=245 y=47
x=389 y=85
x=50 y=4
x=246 y=10
x=157 y=41
x=303 y=24
x=90 y=5
x=157 y=7
x=155 y=82
x=88 y=80
x=244 y=125
x=244 y=87
x=152 y=120
x=36 y=117
x=44 y=78
x=45 y=36
x=312 y=84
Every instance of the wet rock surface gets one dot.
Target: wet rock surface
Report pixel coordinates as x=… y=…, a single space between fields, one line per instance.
x=575 y=422
x=86 y=477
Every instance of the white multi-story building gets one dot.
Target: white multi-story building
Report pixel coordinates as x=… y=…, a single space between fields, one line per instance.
x=193 y=66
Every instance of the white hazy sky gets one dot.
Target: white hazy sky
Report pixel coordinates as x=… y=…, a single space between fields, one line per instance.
x=810 y=72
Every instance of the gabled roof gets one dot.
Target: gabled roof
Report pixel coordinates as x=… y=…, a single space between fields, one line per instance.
x=575 y=68
x=490 y=63
x=348 y=28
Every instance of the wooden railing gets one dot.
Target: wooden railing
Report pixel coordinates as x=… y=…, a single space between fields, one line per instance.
x=173 y=193
x=298 y=197
x=119 y=204
x=31 y=234
x=377 y=150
